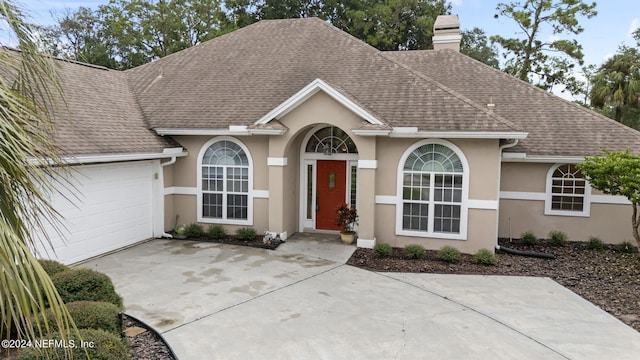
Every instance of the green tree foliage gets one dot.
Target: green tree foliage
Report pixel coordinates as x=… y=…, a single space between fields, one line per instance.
x=550 y=61
x=81 y=36
x=616 y=173
x=391 y=24
x=475 y=44
x=28 y=87
x=126 y=33
x=616 y=85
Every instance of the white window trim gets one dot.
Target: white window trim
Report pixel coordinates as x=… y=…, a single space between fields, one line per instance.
x=586 y=206
x=464 y=206
x=250 y=195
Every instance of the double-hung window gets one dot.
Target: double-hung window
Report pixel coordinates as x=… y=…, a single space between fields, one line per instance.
x=225 y=182
x=432 y=191
x=567 y=191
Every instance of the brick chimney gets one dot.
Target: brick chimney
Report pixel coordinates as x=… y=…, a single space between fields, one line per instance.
x=446 y=33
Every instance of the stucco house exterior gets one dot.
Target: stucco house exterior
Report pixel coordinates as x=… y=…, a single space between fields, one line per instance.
x=276 y=124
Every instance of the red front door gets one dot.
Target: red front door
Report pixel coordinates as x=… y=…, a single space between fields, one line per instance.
x=331 y=187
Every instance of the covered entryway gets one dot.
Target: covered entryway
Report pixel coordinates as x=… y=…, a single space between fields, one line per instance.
x=109 y=207
x=329 y=164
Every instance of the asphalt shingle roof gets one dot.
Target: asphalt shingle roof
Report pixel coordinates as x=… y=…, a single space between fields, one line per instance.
x=239 y=77
x=100 y=114
x=555 y=126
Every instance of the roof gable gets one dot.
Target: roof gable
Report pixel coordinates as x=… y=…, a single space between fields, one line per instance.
x=308 y=91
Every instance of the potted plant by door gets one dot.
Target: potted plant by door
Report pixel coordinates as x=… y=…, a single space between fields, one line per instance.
x=346 y=218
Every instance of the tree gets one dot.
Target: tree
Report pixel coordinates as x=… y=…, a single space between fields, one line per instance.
x=551 y=61
x=128 y=33
x=80 y=36
x=616 y=173
x=617 y=82
x=28 y=159
x=391 y=24
x=475 y=44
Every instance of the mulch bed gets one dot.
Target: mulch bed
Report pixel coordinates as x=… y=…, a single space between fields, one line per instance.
x=607 y=278
x=147 y=345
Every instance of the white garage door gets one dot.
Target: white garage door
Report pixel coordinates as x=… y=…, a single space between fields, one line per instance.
x=110 y=207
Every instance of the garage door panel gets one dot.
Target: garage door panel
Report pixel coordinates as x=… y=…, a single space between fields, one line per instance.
x=108 y=207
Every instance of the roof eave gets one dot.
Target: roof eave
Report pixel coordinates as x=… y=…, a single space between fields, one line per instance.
x=548 y=159
x=413 y=132
x=233 y=130
x=167 y=153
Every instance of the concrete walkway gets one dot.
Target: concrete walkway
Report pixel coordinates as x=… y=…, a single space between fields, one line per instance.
x=300 y=301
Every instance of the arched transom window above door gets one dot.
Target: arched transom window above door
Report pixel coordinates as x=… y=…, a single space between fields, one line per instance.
x=331 y=140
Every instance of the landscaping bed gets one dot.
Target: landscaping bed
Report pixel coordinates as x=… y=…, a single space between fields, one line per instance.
x=607 y=277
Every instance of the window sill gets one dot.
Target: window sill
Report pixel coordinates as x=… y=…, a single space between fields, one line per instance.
x=224 y=221
x=584 y=214
x=432 y=235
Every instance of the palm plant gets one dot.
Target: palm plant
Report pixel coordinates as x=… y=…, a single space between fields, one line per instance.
x=28 y=160
x=617 y=83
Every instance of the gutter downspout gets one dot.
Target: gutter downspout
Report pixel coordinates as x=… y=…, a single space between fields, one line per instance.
x=500 y=149
x=161 y=178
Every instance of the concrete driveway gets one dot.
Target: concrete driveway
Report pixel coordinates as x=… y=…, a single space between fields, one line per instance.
x=214 y=301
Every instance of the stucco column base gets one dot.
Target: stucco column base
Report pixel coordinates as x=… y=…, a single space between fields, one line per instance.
x=366 y=243
x=276 y=199
x=366 y=205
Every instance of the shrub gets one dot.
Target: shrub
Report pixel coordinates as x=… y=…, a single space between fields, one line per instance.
x=216 y=232
x=382 y=250
x=449 y=254
x=414 y=251
x=595 y=243
x=87 y=285
x=245 y=234
x=558 y=238
x=92 y=315
x=181 y=230
x=194 y=230
x=106 y=346
x=625 y=247
x=52 y=267
x=528 y=238
x=485 y=257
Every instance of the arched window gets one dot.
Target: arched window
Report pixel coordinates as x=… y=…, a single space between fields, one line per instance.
x=331 y=140
x=567 y=191
x=433 y=178
x=225 y=181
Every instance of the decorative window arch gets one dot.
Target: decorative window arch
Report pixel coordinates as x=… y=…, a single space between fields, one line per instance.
x=433 y=191
x=331 y=140
x=225 y=182
x=568 y=193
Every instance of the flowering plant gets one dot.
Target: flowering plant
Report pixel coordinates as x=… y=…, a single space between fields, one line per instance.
x=346 y=217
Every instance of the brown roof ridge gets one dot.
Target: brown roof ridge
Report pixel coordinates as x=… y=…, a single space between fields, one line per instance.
x=456 y=94
x=544 y=92
x=218 y=38
x=56 y=58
